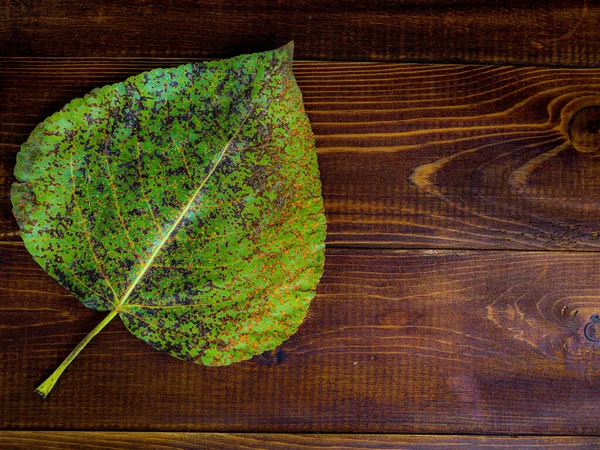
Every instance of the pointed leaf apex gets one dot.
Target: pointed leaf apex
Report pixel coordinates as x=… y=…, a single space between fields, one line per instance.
x=288 y=50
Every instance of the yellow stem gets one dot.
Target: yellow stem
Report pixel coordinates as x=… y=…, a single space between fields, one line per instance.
x=45 y=388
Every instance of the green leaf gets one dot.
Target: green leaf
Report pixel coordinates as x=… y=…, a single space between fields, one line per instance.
x=186 y=201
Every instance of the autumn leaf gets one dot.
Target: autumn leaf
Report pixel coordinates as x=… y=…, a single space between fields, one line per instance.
x=185 y=201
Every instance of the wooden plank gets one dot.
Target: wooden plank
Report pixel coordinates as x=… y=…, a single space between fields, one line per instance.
x=420 y=156
x=415 y=341
x=80 y=440
x=553 y=32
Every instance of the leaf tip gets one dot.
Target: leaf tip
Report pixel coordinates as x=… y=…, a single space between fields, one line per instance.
x=288 y=50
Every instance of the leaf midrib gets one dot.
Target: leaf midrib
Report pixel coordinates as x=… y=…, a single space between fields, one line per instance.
x=190 y=203
x=177 y=222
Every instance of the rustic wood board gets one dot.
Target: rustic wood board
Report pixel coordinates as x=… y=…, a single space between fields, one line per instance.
x=550 y=32
x=411 y=341
x=213 y=441
x=463 y=208
x=411 y=156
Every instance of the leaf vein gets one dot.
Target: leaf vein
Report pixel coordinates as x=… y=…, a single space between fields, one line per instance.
x=185 y=211
x=86 y=230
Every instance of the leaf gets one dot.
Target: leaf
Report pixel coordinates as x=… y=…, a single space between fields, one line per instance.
x=186 y=201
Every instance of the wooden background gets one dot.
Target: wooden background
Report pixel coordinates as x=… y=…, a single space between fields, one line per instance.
x=458 y=144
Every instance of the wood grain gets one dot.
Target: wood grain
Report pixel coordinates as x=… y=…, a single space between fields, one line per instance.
x=441 y=160
x=214 y=441
x=411 y=155
x=420 y=341
x=552 y=32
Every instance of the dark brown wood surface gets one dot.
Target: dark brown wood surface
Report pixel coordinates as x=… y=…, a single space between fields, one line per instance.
x=411 y=156
x=411 y=341
x=548 y=32
x=463 y=206
x=213 y=441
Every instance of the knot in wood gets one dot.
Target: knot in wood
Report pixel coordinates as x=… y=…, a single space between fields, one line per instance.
x=592 y=329
x=584 y=129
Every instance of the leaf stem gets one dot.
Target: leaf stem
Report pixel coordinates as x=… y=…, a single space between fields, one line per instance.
x=45 y=388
